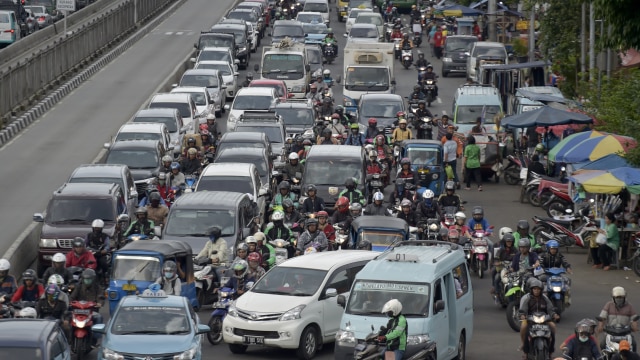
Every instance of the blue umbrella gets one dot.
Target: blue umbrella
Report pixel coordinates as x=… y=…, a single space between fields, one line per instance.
x=629 y=175
x=608 y=162
x=545 y=116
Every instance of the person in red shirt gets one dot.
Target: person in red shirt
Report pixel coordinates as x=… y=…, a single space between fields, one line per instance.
x=438 y=43
x=30 y=290
x=476 y=30
x=80 y=256
x=326 y=228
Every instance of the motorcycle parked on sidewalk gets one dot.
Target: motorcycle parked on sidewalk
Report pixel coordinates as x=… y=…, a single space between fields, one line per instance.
x=635 y=259
x=558 y=203
x=564 y=231
x=513 y=168
x=81 y=322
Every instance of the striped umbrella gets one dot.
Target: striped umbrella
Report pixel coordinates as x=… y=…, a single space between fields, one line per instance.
x=593 y=148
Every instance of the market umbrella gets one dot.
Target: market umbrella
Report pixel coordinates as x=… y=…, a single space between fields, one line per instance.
x=608 y=162
x=608 y=181
x=590 y=149
x=460 y=9
x=545 y=116
x=571 y=141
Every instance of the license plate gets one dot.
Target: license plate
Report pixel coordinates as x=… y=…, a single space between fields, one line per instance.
x=376 y=184
x=538 y=327
x=257 y=340
x=359 y=347
x=129 y=287
x=617 y=338
x=523 y=173
x=82 y=312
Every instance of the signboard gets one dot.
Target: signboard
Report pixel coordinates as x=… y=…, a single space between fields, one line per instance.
x=66 y=5
x=523 y=25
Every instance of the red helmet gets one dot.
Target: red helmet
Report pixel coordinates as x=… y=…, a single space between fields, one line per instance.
x=335 y=116
x=323 y=213
x=380 y=139
x=203 y=127
x=205 y=132
x=342 y=204
x=400 y=114
x=373 y=121
x=254 y=256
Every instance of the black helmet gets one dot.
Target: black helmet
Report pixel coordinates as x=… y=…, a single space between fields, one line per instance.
x=339 y=109
x=523 y=225
x=155 y=196
x=215 y=232
x=406 y=36
x=311 y=221
x=326 y=132
x=422 y=102
x=249 y=75
x=429 y=67
x=478 y=211
x=509 y=237
x=287 y=203
x=416 y=88
x=191 y=139
x=89 y=274
x=78 y=242
x=311 y=187
x=29 y=274
x=284 y=185
x=350 y=183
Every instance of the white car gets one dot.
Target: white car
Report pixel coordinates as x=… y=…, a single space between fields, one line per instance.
x=363 y=33
x=374 y=18
x=201 y=97
x=254 y=36
x=353 y=14
x=182 y=102
x=229 y=74
x=310 y=17
x=216 y=53
x=294 y=305
x=251 y=99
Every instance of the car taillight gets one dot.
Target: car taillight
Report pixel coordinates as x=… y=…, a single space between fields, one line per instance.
x=9 y=31
x=41 y=18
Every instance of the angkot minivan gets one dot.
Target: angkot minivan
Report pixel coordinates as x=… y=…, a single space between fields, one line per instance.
x=9 y=28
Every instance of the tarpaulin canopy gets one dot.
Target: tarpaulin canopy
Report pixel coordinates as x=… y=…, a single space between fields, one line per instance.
x=608 y=162
x=609 y=181
x=545 y=116
x=463 y=10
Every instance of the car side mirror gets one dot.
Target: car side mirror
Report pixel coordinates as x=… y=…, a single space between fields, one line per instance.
x=202 y=329
x=100 y=328
x=307 y=67
x=195 y=45
x=331 y=292
x=227 y=107
x=344 y=35
x=106 y=145
x=174 y=85
x=393 y=81
x=438 y=307
x=341 y=300
x=38 y=217
x=193 y=60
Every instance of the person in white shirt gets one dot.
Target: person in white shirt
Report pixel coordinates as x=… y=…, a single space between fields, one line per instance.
x=451 y=155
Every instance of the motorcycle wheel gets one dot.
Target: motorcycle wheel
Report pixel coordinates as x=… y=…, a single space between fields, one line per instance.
x=511 y=177
x=559 y=305
x=480 y=271
x=636 y=265
x=544 y=196
x=215 y=335
x=523 y=195
x=540 y=354
x=329 y=60
x=512 y=316
x=406 y=64
x=534 y=199
x=556 y=208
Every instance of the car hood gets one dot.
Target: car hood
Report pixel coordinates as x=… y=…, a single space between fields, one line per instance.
x=142 y=174
x=253 y=301
x=458 y=56
x=69 y=231
x=362 y=40
x=297 y=129
x=227 y=78
x=152 y=344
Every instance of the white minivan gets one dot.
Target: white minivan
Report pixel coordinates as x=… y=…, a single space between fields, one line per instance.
x=321 y=6
x=9 y=27
x=294 y=306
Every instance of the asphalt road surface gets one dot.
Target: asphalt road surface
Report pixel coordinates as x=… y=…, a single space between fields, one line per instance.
x=42 y=157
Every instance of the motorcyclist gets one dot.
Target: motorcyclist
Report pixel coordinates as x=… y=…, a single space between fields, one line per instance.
x=89 y=290
x=255 y=270
x=284 y=189
x=415 y=15
x=395 y=336
x=430 y=75
x=422 y=110
x=326 y=77
x=405 y=173
x=80 y=256
x=374 y=166
x=208 y=141
x=51 y=306
x=401 y=132
x=385 y=153
x=328 y=229
x=248 y=79
x=344 y=119
x=58 y=266
x=376 y=207
x=191 y=144
x=397 y=33
x=212 y=127
x=164 y=189
x=336 y=126
x=191 y=165
x=372 y=129
x=98 y=241
x=30 y=290
x=329 y=40
x=341 y=213
x=176 y=178
x=293 y=167
x=8 y=283
x=417 y=93
x=313 y=94
x=524 y=259
x=291 y=215
x=156 y=211
x=266 y=250
x=625 y=352
x=553 y=258
x=142 y=225
x=238 y=282
x=522 y=231
x=297 y=145
x=326 y=138
x=242 y=250
x=406 y=43
x=310 y=236
x=216 y=248
x=166 y=164
x=502 y=232
x=479 y=223
x=421 y=60
x=428 y=208
x=355 y=209
x=582 y=345
x=352 y=193
x=460 y=224
x=407 y=214
x=618 y=312
x=278 y=230
x=355 y=137
x=536 y=301
x=27 y=313
x=313 y=203
x=450 y=198
x=505 y=254
x=170 y=281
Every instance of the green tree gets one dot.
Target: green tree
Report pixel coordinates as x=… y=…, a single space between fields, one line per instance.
x=623 y=17
x=616 y=105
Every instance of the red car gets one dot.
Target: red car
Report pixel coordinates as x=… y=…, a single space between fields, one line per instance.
x=279 y=85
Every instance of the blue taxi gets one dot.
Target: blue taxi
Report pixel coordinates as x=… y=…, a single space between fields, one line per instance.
x=152 y=326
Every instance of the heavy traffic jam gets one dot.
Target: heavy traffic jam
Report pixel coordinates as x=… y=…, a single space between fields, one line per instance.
x=308 y=204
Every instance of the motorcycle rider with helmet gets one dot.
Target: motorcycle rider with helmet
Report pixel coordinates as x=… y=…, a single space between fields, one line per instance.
x=238 y=282
x=320 y=84
x=291 y=215
x=58 y=266
x=415 y=15
x=191 y=165
x=430 y=75
x=255 y=270
x=310 y=236
x=314 y=95
x=170 y=281
x=376 y=207
x=266 y=250
x=248 y=79
x=536 y=301
x=374 y=167
x=89 y=290
x=329 y=40
x=406 y=43
x=80 y=256
x=421 y=113
x=352 y=193
x=212 y=127
x=59 y=281
x=156 y=210
x=502 y=232
x=216 y=248
x=401 y=132
x=506 y=253
x=460 y=224
x=328 y=229
x=553 y=258
x=30 y=290
x=450 y=198
x=278 y=230
x=397 y=33
x=336 y=126
x=50 y=306
x=478 y=222
x=242 y=250
x=355 y=138
x=341 y=213
x=142 y=225
x=313 y=203
x=372 y=129
x=618 y=312
x=101 y=244
x=176 y=178
x=522 y=231
x=395 y=337
x=344 y=119
x=407 y=214
x=166 y=164
x=417 y=93
x=405 y=173
x=524 y=259
x=428 y=208
x=292 y=167
x=284 y=189
x=384 y=151
x=326 y=77
x=581 y=344
x=355 y=209
x=191 y=144
x=8 y=283
x=297 y=145
x=164 y=189
x=421 y=60
x=326 y=138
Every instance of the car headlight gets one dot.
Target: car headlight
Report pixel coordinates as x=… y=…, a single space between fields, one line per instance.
x=417 y=339
x=435 y=176
x=297 y=88
x=557 y=289
x=345 y=337
x=233 y=119
x=347 y=102
x=109 y=354
x=446 y=59
x=232 y=311
x=308 y=133
x=187 y=355
x=230 y=82
x=293 y=314
x=50 y=243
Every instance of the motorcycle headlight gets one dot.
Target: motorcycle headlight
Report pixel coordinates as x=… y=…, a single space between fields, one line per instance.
x=435 y=176
x=538 y=319
x=346 y=337
x=109 y=354
x=417 y=339
x=50 y=243
x=293 y=314
x=224 y=294
x=446 y=59
x=232 y=311
x=187 y=355
x=557 y=288
x=243 y=49
x=347 y=102
x=80 y=324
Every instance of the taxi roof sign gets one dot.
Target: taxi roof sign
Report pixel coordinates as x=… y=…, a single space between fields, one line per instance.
x=154 y=291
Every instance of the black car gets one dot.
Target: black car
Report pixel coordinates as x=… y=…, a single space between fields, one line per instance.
x=241 y=35
x=216 y=39
x=143 y=157
x=298 y=116
x=456 y=52
x=256 y=156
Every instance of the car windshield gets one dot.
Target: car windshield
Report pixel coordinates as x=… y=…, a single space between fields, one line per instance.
x=315 y=29
x=135 y=268
x=361 y=32
x=296 y=116
x=22 y=353
x=332 y=172
x=259 y=162
x=170 y=122
x=467 y=114
x=290 y=281
x=379 y=238
x=424 y=156
x=315 y=7
x=309 y=18
x=134 y=159
x=239 y=184
x=183 y=108
x=199 y=80
x=243 y=15
x=381 y=108
x=368 y=297
x=283 y=66
x=138 y=136
x=288 y=30
x=36 y=9
x=80 y=211
x=194 y=222
x=314 y=56
x=215 y=41
x=454 y=44
x=366 y=4
x=369 y=19
x=98 y=179
x=198 y=97
x=237 y=34
x=273 y=132
x=364 y=78
x=279 y=89
x=353 y=14
x=490 y=51
x=251 y=102
x=223 y=68
x=235 y=145
x=151 y=320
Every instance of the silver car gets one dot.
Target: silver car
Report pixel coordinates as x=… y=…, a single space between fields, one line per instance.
x=209 y=79
x=229 y=74
x=43 y=18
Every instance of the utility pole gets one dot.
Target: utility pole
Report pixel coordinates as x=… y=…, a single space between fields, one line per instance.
x=491 y=9
x=583 y=42
x=532 y=33
x=592 y=41
x=609 y=60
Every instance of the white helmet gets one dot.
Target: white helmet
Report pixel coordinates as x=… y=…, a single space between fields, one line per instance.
x=5 y=265
x=277 y=215
x=378 y=196
x=428 y=194
x=28 y=313
x=97 y=223
x=373 y=153
x=460 y=215
x=618 y=291
x=250 y=240
x=394 y=306
x=293 y=156
x=59 y=257
x=503 y=231
x=326 y=72
x=55 y=279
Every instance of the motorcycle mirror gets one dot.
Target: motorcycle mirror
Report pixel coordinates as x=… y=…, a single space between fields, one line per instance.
x=344 y=35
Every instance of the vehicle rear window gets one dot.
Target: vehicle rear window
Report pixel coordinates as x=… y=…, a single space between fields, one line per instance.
x=288 y=30
x=272 y=132
x=79 y=211
x=214 y=41
x=278 y=88
x=199 y=80
x=170 y=122
x=134 y=159
x=151 y=320
x=214 y=55
x=138 y=136
x=232 y=145
x=316 y=7
x=239 y=184
x=4 y=18
x=296 y=116
x=259 y=162
x=243 y=15
x=197 y=97
x=332 y=172
x=454 y=44
x=101 y=180
x=251 y=102
x=183 y=108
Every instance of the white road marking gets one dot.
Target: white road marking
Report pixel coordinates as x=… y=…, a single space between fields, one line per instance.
x=179 y=33
x=168 y=33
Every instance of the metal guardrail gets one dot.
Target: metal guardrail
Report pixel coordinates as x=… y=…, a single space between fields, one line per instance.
x=27 y=81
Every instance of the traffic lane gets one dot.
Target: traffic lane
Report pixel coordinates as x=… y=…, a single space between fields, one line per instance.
x=41 y=158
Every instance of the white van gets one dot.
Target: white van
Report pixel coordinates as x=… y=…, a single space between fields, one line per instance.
x=321 y=6
x=9 y=27
x=293 y=306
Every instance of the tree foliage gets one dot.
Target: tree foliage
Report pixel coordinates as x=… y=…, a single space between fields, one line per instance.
x=624 y=17
x=616 y=105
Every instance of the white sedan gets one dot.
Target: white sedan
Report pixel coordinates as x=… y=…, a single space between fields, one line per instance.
x=229 y=74
x=353 y=14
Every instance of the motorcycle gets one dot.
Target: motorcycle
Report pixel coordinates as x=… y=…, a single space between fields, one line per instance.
x=512 y=170
x=514 y=290
x=502 y=270
x=479 y=254
x=190 y=182
x=615 y=334
x=539 y=336
x=563 y=230
x=76 y=276
x=407 y=58
x=280 y=248
x=329 y=53
x=635 y=259
x=405 y=189
x=396 y=48
x=558 y=203
x=387 y=32
x=221 y=307
x=417 y=38
x=371 y=349
x=557 y=288
x=81 y=322
x=342 y=237
x=430 y=229
x=430 y=90
x=208 y=277
x=375 y=183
